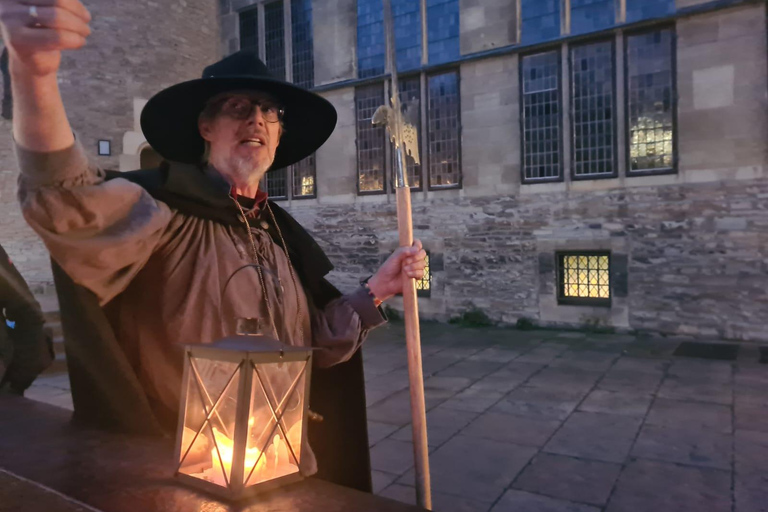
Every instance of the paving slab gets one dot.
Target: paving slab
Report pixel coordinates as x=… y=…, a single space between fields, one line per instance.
x=630 y=381
x=751 y=417
x=622 y=404
x=690 y=415
x=700 y=447
x=475 y=468
x=541 y=403
x=588 y=360
x=702 y=369
x=751 y=492
x=442 y=424
x=507 y=378
x=434 y=364
x=391 y=456
x=496 y=354
x=603 y=437
x=512 y=429
x=394 y=380
x=474 y=370
x=376 y=395
x=565 y=378
x=521 y=501
x=448 y=383
x=441 y=502
x=395 y=410
x=381 y=480
x=378 y=431
x=641 y=365
x=682 y=388
x=583 y=481
x=474 y=400
x=648 y=486
x=751 y=452
x=544 y=353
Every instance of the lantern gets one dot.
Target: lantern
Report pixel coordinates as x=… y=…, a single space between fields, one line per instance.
x=242 y=420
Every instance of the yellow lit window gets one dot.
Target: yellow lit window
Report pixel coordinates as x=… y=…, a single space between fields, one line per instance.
x=584 y=278
x=424 y=286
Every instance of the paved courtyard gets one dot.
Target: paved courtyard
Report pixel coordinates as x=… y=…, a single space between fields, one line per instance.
x=545 y=421
x=551 y=421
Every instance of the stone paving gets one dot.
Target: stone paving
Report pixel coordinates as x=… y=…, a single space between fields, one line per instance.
x=550 y=421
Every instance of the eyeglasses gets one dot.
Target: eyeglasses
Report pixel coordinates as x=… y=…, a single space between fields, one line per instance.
x=242 y=108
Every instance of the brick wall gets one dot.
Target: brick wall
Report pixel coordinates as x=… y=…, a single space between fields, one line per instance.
x=137 y=48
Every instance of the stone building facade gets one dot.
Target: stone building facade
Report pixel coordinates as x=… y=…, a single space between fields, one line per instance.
x=136 y=49
x=583 y=163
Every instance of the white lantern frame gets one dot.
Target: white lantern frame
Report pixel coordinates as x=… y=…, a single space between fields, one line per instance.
x=248 y=353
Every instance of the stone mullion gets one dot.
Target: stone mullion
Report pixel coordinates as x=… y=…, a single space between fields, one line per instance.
x=288 y=34
x=565 y=17
x=567 y=113
x=621 y=11
x=262 y=32
x=621 y=111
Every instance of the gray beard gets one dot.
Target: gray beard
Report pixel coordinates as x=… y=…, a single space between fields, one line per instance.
x=240 y=170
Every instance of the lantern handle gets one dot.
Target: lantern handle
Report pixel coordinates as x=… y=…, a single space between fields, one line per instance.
x=257 y=267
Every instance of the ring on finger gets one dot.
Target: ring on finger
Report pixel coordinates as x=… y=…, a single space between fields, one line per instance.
x=34 y=15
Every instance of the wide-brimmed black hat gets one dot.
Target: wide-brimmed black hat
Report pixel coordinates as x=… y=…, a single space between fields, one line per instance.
x=169 y=119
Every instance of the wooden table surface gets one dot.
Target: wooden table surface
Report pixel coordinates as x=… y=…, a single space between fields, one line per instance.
x=49 y=465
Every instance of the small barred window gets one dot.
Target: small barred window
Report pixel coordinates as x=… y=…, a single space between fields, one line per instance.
x=584 y=278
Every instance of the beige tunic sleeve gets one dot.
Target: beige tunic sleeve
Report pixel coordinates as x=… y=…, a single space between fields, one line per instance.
x=340 y=328
x=100 y=232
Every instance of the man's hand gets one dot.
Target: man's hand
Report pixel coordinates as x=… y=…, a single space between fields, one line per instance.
x=404 y=262
x=36 y=31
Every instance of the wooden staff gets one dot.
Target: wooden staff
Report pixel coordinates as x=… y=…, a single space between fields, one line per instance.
x=410 y=305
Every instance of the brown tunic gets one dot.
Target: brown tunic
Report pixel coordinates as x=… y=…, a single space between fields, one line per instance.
x=160 y=274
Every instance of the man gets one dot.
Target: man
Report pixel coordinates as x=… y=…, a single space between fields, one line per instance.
x=25 y=349
x=156 y=250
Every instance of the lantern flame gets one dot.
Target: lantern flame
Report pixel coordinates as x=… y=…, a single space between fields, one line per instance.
x=226 y=449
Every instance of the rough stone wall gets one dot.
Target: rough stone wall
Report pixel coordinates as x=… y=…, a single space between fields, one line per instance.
x=335 y=23
x=694 y=256
x=137 y=48
x=487 y=24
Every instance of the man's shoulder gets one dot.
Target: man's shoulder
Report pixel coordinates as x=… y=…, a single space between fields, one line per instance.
x=149 y=179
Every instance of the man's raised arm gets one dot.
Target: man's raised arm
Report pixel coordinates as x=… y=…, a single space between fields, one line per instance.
x=35 y=32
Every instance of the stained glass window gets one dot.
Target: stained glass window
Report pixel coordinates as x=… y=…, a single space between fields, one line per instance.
x=541 y=105
x=592 y=15
x=370 y=139
x=301 y=36
x=645 y=9
x=651 y=103
x=370 y=38
x=443 y=130
x=540 y=20
x=443 y=30
x=277 y=183
x=584 y=278
x=274 y=38
x=592 y=98
x=249 y=30
x=304 y=179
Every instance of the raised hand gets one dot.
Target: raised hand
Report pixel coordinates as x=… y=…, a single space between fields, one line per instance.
x=404 y=262
x=36 y=31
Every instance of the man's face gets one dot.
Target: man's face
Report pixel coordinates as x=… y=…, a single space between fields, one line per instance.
x=243 y=134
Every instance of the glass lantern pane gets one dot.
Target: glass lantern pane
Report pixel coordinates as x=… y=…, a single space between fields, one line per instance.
x=211 y=393
x=278 y=392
